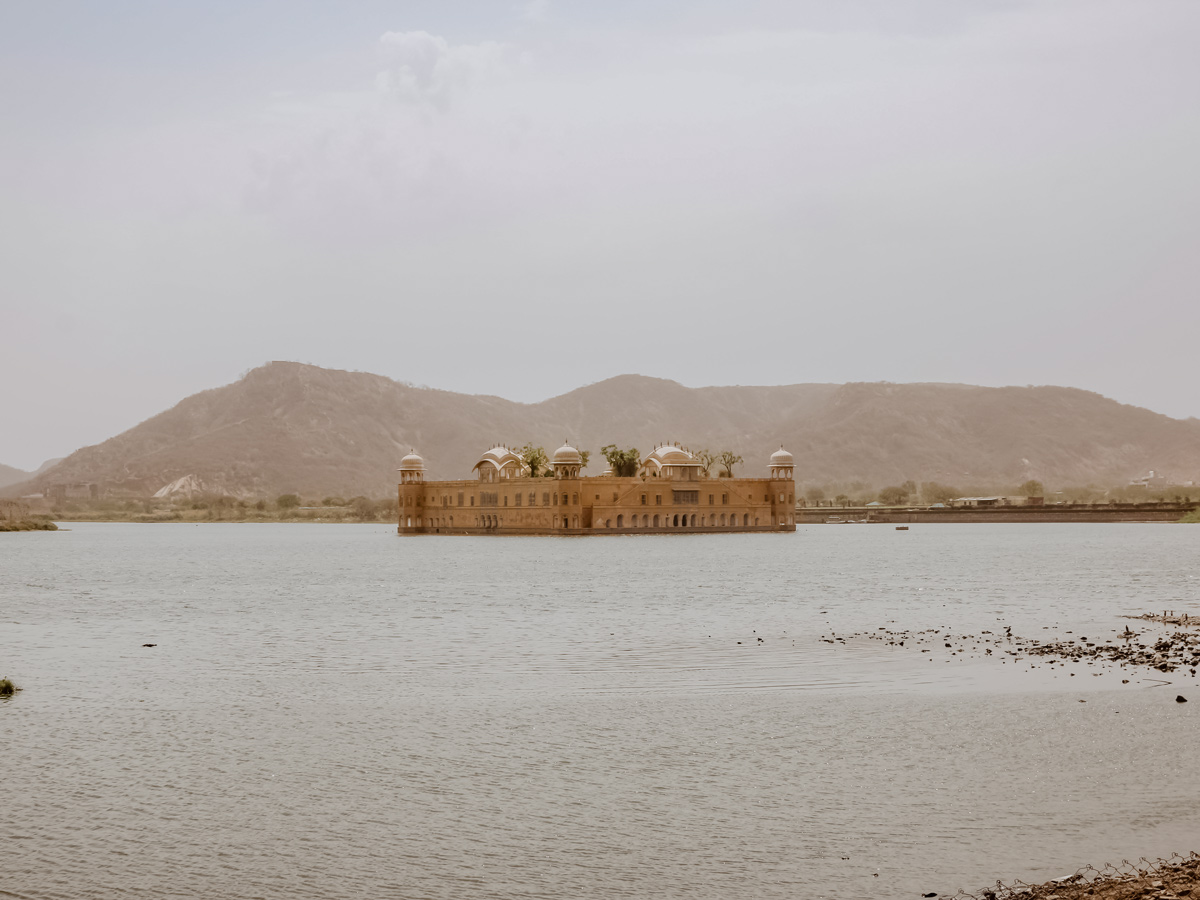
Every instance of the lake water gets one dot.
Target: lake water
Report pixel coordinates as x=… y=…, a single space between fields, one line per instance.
x=337 y=712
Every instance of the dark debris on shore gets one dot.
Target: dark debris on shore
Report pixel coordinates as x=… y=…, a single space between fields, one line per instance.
x=1166 y=653
x=1176 y=878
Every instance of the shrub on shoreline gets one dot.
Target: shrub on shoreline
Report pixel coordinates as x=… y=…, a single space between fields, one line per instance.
x=29 y=525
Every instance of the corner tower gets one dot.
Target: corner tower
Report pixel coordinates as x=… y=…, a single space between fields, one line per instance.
x=783 y=490
x=411 y=493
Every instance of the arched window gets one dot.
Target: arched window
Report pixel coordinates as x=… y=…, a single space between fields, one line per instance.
x=693 y=520
x=722 y=518
x=608 y=523
x=675 y=521
x=645 y=521
x=620 y=521
x=656 y=521
x=574 y=521
x=746 y=519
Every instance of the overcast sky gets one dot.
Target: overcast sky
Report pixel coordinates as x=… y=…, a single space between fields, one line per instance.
x=519 y=199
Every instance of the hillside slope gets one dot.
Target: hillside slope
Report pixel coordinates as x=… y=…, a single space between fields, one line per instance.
x=292 y=427
x=9 y=475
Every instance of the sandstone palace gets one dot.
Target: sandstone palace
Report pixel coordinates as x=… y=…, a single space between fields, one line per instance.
x=670 y=493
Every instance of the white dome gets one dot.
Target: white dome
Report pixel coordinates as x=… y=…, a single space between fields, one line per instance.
x=566 y=455
x=499 y=457
x=669 y=455
x=782 y=458
x=673 y=456
x=412 y=463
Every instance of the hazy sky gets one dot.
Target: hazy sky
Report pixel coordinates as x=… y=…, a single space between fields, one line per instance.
x=519 y=199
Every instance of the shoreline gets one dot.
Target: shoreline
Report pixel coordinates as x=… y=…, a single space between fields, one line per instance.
x=1142 y=513
x=1174 y=877
x=28 y=525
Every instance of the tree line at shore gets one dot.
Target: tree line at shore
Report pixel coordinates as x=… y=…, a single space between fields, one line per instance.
x=929 y=493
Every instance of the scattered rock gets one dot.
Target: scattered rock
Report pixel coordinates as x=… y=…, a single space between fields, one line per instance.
x=1180 y=699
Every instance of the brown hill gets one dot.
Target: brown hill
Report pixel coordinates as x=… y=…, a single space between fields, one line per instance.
x=287 y=427
x=9 y=475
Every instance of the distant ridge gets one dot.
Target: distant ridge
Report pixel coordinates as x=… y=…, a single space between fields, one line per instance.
x=9 y=475
x=289 y=427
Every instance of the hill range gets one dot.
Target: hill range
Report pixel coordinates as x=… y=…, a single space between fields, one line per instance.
x=289 y=427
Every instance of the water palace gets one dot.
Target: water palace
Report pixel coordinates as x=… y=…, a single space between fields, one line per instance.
x=670 y=493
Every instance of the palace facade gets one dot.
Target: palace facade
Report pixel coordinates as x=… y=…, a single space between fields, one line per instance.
x=670 y=493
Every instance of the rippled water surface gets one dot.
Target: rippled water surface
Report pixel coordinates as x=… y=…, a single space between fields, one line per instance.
x=337 y=712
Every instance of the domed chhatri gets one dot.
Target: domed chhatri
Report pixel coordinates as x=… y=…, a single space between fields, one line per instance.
x=782 y=458
x=567 y=462
x=782 y=464
x=566 y=455
x=501 y=464
x=412 y=469
x=672 y=461
x=671 y=492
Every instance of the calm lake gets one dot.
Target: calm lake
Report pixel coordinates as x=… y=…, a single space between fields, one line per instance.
x=338 y=712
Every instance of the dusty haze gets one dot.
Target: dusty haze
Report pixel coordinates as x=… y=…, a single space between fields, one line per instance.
x=518 y=199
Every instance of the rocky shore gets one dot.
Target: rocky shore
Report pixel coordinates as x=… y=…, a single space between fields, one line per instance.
x=1166 y=653
x=1177 y=878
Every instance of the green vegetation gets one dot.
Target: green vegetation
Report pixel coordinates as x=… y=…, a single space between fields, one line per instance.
x=7 y=688
x=893 y=496
x=1032 y=488
x=728 y=459
x=29 y=525
x=584 y=456
x=536 y=459
x=707 y=458
x=287 y=501
x=623 y=462
x=1192 y=518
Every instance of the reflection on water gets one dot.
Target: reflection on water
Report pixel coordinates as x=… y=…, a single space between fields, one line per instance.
x=338 y=712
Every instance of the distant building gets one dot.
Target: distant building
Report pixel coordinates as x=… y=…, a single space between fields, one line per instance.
x=670 y=493
x=1151 y=481
x=79 y=490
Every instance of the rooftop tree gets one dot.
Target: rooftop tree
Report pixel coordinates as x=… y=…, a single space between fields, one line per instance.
x=728 y=459
x=535 y=458
x=622 y=462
